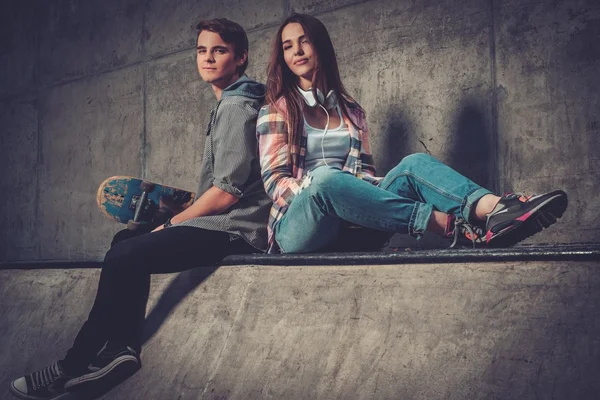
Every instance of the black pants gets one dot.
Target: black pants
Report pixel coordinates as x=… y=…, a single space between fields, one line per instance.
x=119 y=309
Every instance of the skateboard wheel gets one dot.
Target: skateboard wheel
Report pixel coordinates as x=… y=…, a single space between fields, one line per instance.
x=147 y=186
x=132 y=225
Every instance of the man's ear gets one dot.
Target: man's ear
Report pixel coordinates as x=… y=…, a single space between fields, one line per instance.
x=243 y=59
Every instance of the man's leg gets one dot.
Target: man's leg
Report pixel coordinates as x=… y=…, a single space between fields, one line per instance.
x=125 y=234
x=91 y=335
x=120 y=305
x=119 y=309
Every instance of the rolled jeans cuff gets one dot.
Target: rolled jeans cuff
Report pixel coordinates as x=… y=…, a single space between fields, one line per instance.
x=419 y=219
x=470 y=200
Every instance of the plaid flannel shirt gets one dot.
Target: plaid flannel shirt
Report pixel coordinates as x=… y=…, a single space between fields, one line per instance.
x=282 y=177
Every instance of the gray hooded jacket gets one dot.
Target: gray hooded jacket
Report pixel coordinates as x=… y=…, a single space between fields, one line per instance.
x=230 y=162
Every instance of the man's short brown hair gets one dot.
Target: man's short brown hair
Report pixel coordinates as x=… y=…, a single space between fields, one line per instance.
x=231 y=33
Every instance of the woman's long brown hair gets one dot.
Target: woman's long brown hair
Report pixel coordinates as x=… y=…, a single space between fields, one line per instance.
x=281 y=81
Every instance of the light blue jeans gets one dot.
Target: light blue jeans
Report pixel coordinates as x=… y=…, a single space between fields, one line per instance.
x=402 y=203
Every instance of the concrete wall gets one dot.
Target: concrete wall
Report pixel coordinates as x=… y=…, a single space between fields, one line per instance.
x=505 y=91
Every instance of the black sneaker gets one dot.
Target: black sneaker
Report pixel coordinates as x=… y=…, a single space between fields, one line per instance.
x=464 y=234
x=107 y=368
x=48 y=383
x=518 y=217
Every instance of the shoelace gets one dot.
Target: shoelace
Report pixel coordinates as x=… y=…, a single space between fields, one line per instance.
x=45 y=376
x=521 y=196
x=524 y=197
x=474 y=233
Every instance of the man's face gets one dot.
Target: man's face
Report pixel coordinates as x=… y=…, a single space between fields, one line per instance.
x=216 y=59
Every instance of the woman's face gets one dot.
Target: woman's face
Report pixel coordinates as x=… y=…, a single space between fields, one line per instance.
x=298 y=53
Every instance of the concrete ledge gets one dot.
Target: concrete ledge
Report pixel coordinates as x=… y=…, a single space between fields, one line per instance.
x=510 y=330
x=560 y=252
x=407 y=256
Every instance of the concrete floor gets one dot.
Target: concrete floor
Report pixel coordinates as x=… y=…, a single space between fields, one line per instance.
x=515 y=330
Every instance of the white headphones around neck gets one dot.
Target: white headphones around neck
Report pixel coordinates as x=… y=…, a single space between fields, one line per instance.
x=331 y=101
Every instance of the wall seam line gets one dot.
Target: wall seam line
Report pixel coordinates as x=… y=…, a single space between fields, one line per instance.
x=144 y=60
x=39 y=156
x=495 y=168
x=143 y=150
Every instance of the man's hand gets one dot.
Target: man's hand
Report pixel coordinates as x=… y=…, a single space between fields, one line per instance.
x=214 y=201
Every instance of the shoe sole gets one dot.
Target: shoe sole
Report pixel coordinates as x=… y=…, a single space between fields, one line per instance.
x=121 y=367
x=541 y=217
x=21 y=395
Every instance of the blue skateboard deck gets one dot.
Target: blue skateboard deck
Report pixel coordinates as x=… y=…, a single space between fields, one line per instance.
x=136 y=202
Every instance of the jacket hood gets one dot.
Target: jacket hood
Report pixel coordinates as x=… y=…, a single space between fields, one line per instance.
x=246 y=87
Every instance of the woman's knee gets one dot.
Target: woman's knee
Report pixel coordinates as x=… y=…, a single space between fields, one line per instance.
x=414 y=161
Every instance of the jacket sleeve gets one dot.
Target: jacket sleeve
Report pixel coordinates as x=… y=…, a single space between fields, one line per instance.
x=276 y=169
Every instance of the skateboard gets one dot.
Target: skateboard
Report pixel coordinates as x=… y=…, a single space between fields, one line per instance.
x=137 y=202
